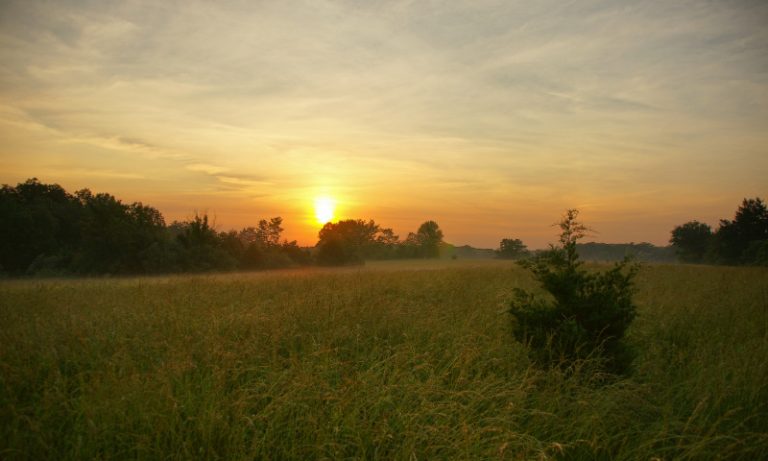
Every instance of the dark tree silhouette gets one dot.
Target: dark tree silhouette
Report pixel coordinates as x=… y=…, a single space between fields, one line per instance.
x=260 y=247
x=115 y=235
x=429 y=237
x=737 y=241
x=512 y=249
x=346 y=242
x=386 y=246
x=742 y=240
x=45 y=230
x=39 y=225
x=691 y=241
x=203 y=249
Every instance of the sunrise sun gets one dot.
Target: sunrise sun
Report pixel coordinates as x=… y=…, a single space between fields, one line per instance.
x=324 y=208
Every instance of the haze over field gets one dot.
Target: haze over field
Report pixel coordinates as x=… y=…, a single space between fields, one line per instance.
x=489 y=117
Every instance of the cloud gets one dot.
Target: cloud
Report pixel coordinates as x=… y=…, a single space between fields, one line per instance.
x=206 y=168
x=242 y=181
x=94 y=173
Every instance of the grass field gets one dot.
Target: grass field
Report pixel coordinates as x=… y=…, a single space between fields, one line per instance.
x=390 y=361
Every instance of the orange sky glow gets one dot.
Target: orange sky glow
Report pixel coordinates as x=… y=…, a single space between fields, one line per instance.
x=489 y=117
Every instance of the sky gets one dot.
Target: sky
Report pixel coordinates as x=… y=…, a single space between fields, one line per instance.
x=490 y=117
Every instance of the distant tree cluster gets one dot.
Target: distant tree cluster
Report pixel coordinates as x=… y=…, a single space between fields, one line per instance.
x=512 y=249
x=353 y=241
x=645 y=252
x=642 y=252
x=740 y=241
x=45 y=230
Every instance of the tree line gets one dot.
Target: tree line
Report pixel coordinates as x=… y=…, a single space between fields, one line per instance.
x=742 y=240
x=47 y=231
x=592 y=251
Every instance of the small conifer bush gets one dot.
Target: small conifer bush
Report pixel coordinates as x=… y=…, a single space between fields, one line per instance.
x=588 y=311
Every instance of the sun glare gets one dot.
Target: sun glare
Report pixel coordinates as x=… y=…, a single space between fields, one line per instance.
x=324 y=208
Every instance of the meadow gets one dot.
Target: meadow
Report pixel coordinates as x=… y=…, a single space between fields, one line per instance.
x=406 y=360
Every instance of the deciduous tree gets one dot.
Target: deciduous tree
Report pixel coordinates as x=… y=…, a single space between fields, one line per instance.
x=691 y=241
x=511 y=249
x=429 y=237
x=346 y=242
x=735 y=240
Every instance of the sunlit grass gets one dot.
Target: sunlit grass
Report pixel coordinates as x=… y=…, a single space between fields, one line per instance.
x=379 y=362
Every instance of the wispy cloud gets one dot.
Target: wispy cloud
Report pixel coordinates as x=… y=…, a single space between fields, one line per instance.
x=92 y=173
x=206 y=168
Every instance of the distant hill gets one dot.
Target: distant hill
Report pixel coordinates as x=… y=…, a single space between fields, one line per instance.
x=646 y=252
x=591 y=251
x=468 y=252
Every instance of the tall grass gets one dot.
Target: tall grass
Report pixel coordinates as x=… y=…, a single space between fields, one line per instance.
x=372 y=364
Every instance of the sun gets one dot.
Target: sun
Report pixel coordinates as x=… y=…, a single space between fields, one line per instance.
x=324 y=208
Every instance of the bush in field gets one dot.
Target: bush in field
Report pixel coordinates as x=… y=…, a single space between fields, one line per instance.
x=588 y=313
